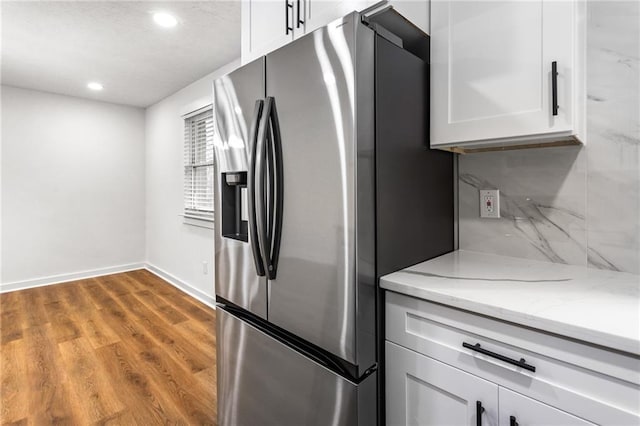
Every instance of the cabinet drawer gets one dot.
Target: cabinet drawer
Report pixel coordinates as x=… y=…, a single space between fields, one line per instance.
x=587 y=381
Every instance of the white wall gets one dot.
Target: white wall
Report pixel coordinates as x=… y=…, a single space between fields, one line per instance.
x=176 y=250
x=72 y=187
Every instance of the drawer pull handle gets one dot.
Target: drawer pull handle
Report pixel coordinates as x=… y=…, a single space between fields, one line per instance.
x=479 y=411
x=513 y=422
x=522 y=363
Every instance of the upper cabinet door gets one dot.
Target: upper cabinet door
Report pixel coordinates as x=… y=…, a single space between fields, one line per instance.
x=267 y=25
x=491 y=71
x=516 y=409
x=270 y=24
x=319 y=13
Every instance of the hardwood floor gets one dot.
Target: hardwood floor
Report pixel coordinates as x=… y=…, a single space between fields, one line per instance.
x=123 y=349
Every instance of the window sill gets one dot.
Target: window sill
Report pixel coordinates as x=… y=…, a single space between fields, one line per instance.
x=199 y=221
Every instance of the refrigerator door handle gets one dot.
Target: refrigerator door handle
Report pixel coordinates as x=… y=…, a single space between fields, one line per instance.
x=276 y=183
x=269 y=194
x=251 y=183
x=260 y=193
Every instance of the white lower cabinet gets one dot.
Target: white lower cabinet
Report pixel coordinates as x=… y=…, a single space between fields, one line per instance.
x=518 y=410
x=443 y=364
x=423 y=391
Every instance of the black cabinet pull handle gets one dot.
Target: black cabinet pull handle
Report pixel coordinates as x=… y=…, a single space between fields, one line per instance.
x=521 y=363
x=554 y=87
x=286 y=17
x=300 y=21
x=479 y=411
x=512 y=421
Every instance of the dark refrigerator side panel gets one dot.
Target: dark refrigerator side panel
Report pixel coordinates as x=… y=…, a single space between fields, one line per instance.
x=367 y=284
x=414 y=202
x=365 y=198
x=414 y=185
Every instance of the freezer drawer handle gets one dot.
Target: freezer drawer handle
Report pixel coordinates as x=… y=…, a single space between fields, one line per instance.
x=254 y=242
x=521 y=363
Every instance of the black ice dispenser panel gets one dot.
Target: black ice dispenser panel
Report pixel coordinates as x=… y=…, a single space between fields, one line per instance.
x=234 y=206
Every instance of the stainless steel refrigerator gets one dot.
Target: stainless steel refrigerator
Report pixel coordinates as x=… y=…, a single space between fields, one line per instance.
x=324 y=182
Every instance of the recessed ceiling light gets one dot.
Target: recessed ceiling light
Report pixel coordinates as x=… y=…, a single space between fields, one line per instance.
x=95 y=86
x=165 y=20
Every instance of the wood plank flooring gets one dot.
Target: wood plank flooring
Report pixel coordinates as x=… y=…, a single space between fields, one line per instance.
x=122 y=349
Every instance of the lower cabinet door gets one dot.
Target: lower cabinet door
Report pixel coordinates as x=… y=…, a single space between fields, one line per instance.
x=423 y=391
x=518 y=410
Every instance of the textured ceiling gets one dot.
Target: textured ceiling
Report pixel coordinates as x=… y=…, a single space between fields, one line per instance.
x=59 y=46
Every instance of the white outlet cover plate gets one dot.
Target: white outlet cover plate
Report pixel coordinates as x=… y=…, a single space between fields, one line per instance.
x=490 y=203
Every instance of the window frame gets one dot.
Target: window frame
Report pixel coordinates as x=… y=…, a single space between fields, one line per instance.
x=191 y=165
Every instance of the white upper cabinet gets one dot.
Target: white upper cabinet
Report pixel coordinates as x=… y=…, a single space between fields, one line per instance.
x=270 y=24
x=267 y=25
x=320 y=12
x=492 y=80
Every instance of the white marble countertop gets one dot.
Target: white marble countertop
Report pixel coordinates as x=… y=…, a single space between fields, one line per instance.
x=596 y=306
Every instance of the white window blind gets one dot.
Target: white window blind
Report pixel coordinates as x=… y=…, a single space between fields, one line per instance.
x=198 y=165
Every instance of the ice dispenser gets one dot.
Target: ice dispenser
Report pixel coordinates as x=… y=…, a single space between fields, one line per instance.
x=235 y=214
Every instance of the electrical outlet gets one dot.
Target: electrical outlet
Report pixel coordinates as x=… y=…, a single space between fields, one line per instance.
x=490 y=203
x=205 y=268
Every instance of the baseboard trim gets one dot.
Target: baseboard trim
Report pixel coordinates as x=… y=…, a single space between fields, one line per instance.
x=74 y=276
x=182 y=285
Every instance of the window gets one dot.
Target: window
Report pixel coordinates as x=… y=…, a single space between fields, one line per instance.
x=198 y=165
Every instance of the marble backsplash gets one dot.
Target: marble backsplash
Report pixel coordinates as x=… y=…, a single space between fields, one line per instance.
x=575 y=205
